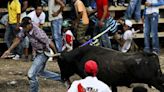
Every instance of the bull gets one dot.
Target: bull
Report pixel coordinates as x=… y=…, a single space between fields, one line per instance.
x=115 y=68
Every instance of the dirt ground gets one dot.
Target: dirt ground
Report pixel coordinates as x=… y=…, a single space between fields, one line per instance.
x=13 y=77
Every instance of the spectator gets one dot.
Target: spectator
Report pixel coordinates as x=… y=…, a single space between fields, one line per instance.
x=134 y=7
x=40 y=42
x=82 y=21
x=139 y=89
x=105 y=22
x=55 y=17
x=67 y=36
x=38 y=16
x=24 y=6
x=125 y=41
x=151 y=25
x=14 y=11
x=90 y=83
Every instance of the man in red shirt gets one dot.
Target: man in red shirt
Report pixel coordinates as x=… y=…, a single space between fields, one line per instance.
x=103 y=23
x=102 y=10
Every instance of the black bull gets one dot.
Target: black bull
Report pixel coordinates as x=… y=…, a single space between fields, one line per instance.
x=115 y=68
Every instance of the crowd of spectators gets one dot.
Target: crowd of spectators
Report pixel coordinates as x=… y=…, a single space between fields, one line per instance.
x=26 y=28
x=85 y=13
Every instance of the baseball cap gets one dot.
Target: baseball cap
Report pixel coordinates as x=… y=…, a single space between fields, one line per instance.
x=91 y=67
x=128 y=23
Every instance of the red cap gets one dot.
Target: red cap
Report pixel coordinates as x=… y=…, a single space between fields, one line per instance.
x=91 y=67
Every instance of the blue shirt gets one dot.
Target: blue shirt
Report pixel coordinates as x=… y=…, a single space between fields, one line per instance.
x=153 y=7
x=160 y=3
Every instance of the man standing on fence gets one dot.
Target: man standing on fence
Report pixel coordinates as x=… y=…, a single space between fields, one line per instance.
x=134 y=7
x=55 y=17
x=151 y=17
x=104 y=22
x=14 y=11
x=82 y=21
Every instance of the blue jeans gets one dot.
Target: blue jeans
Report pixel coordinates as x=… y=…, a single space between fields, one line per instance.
x=151 y=26
x=38 y=68
x=134 y=7
x=56 y=33
x=104 y=39
x=25 y=42
x=10 y=34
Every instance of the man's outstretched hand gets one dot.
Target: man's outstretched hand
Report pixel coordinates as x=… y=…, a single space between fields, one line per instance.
x=6 y=54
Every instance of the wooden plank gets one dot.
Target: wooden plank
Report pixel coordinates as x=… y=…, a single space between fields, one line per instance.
x=3 y=10
x=48 y=24
x=68 y=8
x=122 y=8
x=2 y=26
x=141 y=35
x=1 y=40
x=111 y=8
x=161 y=20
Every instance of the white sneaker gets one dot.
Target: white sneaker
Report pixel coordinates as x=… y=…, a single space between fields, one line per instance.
x=17 y=57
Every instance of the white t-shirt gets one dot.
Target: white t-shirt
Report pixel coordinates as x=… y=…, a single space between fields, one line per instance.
x=53 y=7
x=128 y=37
x=37 y=20
x=90 y=83
x=24 y=14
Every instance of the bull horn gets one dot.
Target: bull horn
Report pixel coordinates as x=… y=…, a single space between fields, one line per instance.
x=52 y=55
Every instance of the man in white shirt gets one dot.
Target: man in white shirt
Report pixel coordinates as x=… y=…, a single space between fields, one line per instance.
x=126 y=40
x=90 y=83
x=151 y=17
x=37 y=16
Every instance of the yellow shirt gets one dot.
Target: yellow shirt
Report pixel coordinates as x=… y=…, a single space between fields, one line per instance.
x=14 y=8
x=79 y=7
